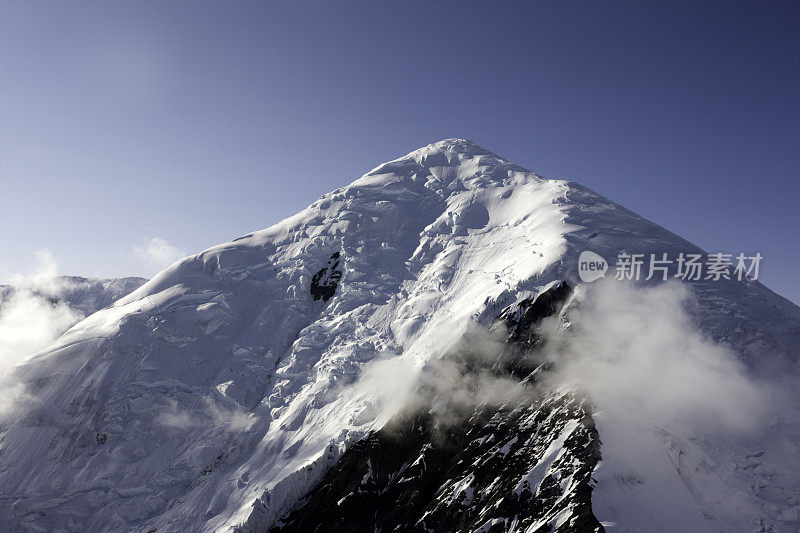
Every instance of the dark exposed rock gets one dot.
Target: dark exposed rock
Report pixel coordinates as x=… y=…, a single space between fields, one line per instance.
x=521 y=317
x=415 y=476
x=325 y=281
x=520 y=321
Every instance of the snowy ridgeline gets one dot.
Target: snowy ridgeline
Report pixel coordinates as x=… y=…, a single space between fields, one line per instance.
x=83 y=295
x=223 y=390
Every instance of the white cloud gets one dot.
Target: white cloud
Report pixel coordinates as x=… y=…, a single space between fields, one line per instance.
x=205 y=413
x=638 y=349
x=156 y=254
x=43 y=273
x=458 y=378
x=676 y=412
x=31 y=318
x=636 y=352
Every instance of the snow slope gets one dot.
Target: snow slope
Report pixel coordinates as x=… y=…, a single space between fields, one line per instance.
x=219 y=391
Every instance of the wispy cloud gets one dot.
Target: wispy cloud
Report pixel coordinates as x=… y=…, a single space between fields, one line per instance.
x=638 y=349
x=156 y=254
x=42 y=274
x=31 y=318
x=635 y=352
x=676 y=412
x=205 y=413
x=450 y=387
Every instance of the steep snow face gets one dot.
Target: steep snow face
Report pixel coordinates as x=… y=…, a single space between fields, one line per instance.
x=226 y=379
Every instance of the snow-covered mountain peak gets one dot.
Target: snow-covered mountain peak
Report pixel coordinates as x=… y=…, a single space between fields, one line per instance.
x=222 y=390
x=451 y=163
x=450 y=148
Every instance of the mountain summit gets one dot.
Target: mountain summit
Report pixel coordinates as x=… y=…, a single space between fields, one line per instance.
x=244 y=387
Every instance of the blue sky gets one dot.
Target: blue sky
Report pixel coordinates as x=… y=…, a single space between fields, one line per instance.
x=194 y=123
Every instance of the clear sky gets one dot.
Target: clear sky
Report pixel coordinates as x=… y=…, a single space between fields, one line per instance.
x=131 y=132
